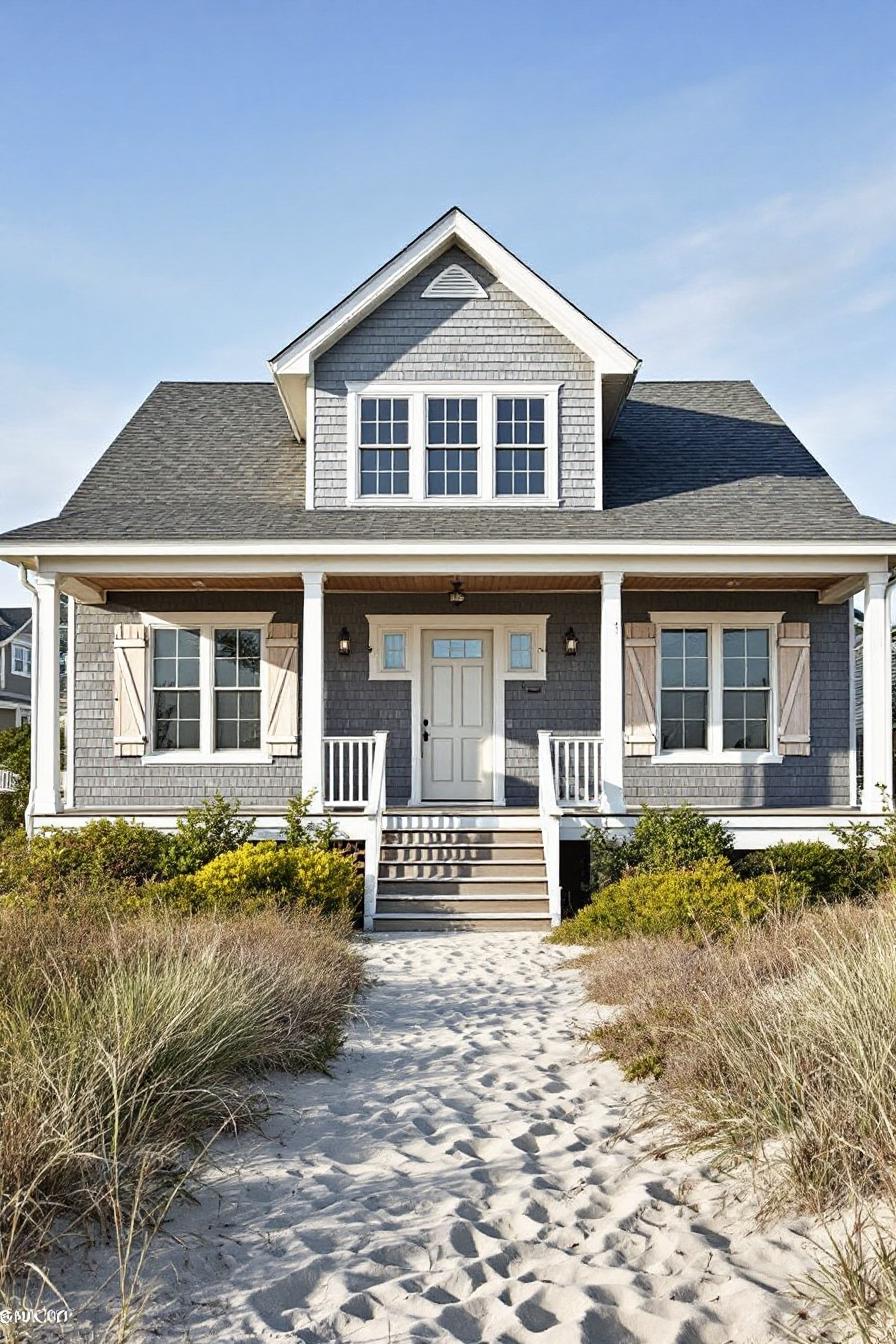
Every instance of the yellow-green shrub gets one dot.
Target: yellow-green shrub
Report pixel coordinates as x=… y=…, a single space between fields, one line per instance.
x=267 y=874
x=702 y=901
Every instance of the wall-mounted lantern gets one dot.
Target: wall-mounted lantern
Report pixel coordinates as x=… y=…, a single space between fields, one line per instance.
x=345 y=642
x=570 y=643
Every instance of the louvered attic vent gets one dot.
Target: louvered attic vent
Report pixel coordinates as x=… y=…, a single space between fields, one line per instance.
x=454 y=283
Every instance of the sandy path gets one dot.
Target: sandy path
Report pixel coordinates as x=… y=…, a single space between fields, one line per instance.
x=454 y=1181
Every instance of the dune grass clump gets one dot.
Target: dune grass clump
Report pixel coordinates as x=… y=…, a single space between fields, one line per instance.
x=125 y=1042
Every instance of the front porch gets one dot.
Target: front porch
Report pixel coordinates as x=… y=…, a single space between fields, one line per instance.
x=531 y=705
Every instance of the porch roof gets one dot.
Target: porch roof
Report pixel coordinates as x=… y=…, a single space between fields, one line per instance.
x=688 y=462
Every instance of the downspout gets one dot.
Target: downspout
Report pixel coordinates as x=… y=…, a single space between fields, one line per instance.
x=35 y=655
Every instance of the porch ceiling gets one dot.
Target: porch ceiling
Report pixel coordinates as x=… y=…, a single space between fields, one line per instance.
x=435 y=583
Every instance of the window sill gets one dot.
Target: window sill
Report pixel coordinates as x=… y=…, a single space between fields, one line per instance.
x=717 y=758
x=249 y=757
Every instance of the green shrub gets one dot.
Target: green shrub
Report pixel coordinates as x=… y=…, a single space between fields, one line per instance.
x=98 y=855
x=663 y=839
x=257 y=876
x=205 y=832
x=15 y=755
x=703 y=901
x=300 y=831
x=823 y=870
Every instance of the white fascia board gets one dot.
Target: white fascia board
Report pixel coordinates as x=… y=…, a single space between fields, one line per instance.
x=868 y=553
x=608 y=355
x=24 y=628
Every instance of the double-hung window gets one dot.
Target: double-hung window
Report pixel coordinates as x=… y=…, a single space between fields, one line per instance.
x=520 y=446
x=715 y=685
x=21 y=660
x=384 y=439
x=452 y=446
x=206 y=687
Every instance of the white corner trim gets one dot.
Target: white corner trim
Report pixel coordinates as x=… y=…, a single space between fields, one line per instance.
x=310 y=403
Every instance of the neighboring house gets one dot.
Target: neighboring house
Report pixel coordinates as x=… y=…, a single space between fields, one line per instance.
x=459 y=572
x=15 y=666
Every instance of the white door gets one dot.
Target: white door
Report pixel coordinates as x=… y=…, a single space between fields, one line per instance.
x=456 y=732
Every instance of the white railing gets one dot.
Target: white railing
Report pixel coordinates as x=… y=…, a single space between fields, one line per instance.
x=8 y=781
x=348 y=762
x=575 y=765
x=549 y=814
x=376 y=806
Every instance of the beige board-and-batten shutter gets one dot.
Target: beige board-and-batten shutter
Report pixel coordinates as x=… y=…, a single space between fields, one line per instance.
x=283 y=689
x=794 y=690
x=129 y=690
x=640 y=688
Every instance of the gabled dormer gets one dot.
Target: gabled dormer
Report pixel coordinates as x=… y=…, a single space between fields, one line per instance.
x=455 y=375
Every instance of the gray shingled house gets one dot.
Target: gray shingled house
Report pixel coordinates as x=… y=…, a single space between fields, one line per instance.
x=15 y=666
x=458 y=570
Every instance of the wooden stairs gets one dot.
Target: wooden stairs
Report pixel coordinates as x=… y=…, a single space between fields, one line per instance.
x=477 y=871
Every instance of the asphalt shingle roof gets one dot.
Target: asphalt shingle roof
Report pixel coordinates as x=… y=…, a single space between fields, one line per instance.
x=12 y=619
x=688 y=461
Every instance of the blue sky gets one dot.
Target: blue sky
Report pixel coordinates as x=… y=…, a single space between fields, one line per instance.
x=184 y=186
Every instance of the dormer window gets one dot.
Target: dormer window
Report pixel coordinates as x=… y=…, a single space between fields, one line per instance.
x=453 y=443
x=384 y=433
x=452 y=446
x=519 y=455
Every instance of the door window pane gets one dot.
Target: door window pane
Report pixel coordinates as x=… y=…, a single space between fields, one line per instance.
x=746 y=681
x=457 y=648
x=684 y=689
x=237 y=688
x=175 y=680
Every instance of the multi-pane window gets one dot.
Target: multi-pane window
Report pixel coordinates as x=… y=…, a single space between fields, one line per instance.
x=21 y=660
x=452 y=446
x=520 y=651
x=684 y=689
x=746 y=688
x=520 y=446
x=237 y=688
x=176 y=698
x=394 y=655
x=457 y=648
x=385 y=436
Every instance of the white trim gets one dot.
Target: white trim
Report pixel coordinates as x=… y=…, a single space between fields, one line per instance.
x=18 y=632
x=867 y=555
x=853 y=728
x=18 y=647
x=877 y=693
x=311 y=731
x=598 y=441
x=454 y=226
x=45 y=794
x=413 y=626
x=309 y=440
x=485 y=395
x=206 y=622
x=612 y=692
x=714 y=753
x=69 y=773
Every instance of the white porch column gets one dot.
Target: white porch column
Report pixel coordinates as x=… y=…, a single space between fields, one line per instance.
x=612 y=709
x=45 y=796
x=877 y=694
x=312 y=690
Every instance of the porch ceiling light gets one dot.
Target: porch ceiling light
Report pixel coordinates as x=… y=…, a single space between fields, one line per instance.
x=457 y=596
x=570 y=643
x=345 y=642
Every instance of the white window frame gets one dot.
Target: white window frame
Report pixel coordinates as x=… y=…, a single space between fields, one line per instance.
x=486 y=396
x=207 y=622
x=715 y=622
x=23 y=649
